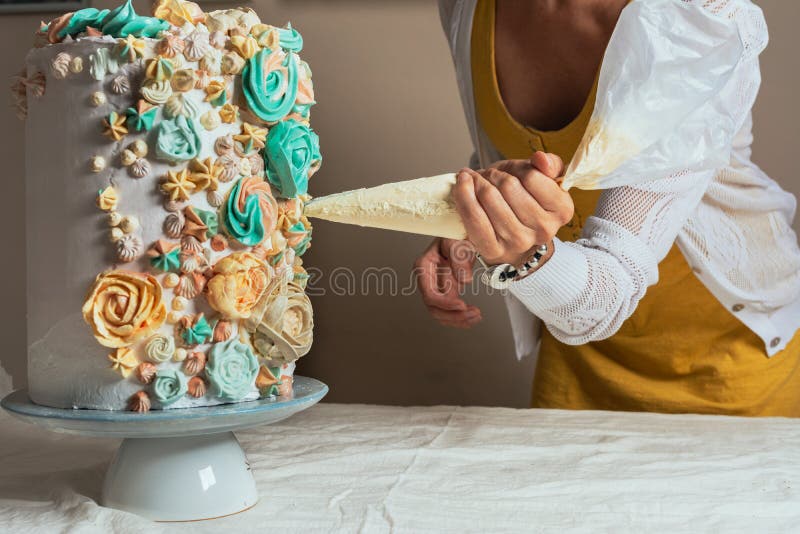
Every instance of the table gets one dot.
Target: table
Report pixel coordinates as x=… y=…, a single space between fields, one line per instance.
x=360 y=468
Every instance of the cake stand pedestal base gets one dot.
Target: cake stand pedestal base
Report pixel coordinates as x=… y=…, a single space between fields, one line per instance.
x=175 y=465
x=180 y=479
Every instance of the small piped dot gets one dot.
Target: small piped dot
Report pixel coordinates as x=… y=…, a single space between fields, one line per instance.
x=127 y=157
x=97 y=163
x=179 y=355
x=98 y=99
x=114 y=218
x=139 y=147
x=171 y=280
x=179 y=303
x=116 y=234
x=129 y=224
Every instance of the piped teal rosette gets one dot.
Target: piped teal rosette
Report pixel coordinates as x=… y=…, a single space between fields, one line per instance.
x=124 y=21
x=250 y=212
x=290 y=39
x=82 y=19
x=232 y=369
x=292 y=149
x=119 y=22
x=269 y=84
x=169 y=385
x=177 y=140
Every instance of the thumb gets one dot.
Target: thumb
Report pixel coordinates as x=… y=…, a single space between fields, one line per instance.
x=548 y=164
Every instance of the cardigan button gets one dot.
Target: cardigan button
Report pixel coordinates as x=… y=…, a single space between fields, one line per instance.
x=738 y=307
x=774 y=343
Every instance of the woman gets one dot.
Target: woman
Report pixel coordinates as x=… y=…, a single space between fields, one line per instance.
x=681 y=294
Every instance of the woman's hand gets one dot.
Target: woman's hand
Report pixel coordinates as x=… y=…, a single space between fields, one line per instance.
x=441 y=272
x=513 y=206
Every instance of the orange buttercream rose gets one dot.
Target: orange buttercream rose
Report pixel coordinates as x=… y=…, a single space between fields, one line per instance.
x=237 y=284
x=123 y=307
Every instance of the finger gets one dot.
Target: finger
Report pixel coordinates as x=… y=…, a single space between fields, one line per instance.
x=461 y=255
x=460 y=325
x=548 y=164
x=456 y=319
x=506 y=224
x=522 y=202
x=547 y=192
x=479 y=229
x=450 y=315
x=428 y=269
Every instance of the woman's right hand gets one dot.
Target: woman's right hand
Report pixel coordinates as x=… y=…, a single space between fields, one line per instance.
x=442 y=271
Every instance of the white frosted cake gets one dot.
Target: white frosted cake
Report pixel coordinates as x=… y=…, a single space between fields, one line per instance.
x=167 y=164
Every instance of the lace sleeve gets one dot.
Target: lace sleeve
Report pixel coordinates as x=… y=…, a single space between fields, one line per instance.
x=590 y=287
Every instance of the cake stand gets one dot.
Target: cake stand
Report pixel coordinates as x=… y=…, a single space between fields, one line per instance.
x=174 y=465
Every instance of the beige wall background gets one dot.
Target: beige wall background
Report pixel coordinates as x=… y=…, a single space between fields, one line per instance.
x=388 y=109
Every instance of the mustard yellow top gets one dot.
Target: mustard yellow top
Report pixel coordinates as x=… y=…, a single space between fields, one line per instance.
x=681 y=350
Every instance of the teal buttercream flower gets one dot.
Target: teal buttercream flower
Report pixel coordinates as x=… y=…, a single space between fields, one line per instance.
x=124 y=21
x=169 y=385
x=177 y=139
x=269 y=84
x=82 y=19
x=291 y=152
x=232 y=369
x=249 y=213
x=197 y=333
x=290 y=39
x=141 y=117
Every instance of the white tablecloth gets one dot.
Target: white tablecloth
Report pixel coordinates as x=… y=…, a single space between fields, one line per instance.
x=355 y=468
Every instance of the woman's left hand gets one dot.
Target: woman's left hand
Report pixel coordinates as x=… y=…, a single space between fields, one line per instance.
x=513 y=207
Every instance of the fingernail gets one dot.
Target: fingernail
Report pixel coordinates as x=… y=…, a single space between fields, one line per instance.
x=462 y=177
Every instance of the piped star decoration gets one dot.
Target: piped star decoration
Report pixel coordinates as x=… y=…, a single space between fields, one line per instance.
x=177 y=185
x=130 y=48
x=229 y=113
x=217 y=92
x=165 y=256
x=142 y=116
x=114 y=126
x=251 y=137
x=159 y=68
x=196 y=330
x=200 y=224
x=268 y=380
x=124 y=361
x=205 y=174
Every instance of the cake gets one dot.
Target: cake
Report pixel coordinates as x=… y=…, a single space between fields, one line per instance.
x=167 y=167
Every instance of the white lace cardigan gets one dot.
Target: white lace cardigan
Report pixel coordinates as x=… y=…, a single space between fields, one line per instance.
x=733 y=225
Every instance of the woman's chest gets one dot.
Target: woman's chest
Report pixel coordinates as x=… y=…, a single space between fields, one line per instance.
x=546 y=62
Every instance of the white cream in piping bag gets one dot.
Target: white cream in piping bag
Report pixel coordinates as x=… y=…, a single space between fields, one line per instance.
x=421 y=206
x=424 y=206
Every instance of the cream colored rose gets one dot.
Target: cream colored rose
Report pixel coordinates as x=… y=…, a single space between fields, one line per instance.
x=123 y=307
x=238 y=283
x=282 y=322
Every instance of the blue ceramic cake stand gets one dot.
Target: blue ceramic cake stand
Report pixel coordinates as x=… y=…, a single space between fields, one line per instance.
x=174 y=465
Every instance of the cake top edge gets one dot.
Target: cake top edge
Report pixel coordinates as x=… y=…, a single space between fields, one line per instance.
x=177 y=17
